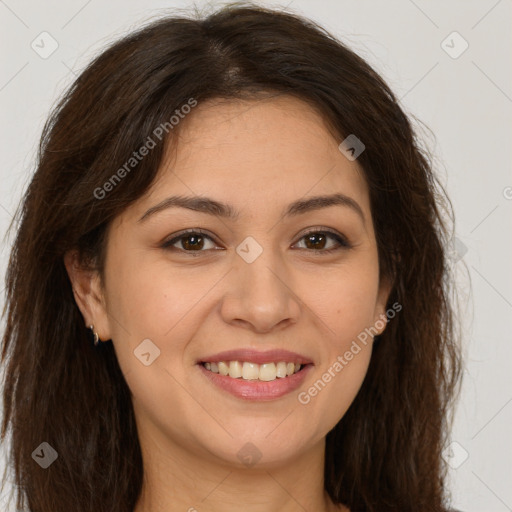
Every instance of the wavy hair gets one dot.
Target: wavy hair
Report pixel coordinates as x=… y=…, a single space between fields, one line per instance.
x=385 y=454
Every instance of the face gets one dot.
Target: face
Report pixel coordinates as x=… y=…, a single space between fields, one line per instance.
x=258 y=272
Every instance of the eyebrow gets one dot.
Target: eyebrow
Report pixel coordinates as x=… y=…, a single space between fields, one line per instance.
x=212 y=207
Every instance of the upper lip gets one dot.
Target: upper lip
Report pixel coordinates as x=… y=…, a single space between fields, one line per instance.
x=256 y=356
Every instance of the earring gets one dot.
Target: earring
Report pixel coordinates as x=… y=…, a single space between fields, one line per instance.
x=95 y=334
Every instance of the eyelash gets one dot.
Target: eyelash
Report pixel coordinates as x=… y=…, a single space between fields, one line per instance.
x=342 y=241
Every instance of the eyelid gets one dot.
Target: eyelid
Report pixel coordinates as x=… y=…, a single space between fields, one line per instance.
x=320 y=229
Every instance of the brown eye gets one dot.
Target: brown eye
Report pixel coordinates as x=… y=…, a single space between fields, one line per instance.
x=318 y=241
x=190 y=241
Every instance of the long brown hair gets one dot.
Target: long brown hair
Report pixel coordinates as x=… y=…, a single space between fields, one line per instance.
x=385 y=454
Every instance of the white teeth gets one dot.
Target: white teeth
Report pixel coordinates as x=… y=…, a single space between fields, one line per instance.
x=268 y=371
x=281 y=370
x=235 y=369
x=223 y=368
x=251 y=371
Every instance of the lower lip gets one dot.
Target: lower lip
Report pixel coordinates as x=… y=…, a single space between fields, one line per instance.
x=257 y=389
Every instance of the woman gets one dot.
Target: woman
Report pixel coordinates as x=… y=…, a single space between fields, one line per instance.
x=229 y=287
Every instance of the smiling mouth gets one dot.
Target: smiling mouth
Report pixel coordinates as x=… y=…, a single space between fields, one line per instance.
x=244 y=370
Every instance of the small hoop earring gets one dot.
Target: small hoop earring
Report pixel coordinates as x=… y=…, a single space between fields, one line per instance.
x=95 y=334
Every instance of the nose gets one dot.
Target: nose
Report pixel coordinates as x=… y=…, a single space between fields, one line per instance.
x=260 y=295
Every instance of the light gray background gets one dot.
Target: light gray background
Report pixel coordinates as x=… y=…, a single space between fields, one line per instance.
x=466 y=101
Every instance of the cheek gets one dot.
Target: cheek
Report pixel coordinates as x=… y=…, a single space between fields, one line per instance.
x=328 y=397
x=345 y=301
x=151 y=298
x=157 y=313
x=346 y=305
x=143 y=306
x=347 y=309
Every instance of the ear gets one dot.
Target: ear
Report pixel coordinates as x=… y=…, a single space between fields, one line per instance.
x=380 y=317
x=88 y=293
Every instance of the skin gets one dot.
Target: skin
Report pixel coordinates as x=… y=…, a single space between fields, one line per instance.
x=258 y=156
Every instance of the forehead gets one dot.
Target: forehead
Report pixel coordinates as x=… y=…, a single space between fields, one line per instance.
x=256 y=153
x=257 y=130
